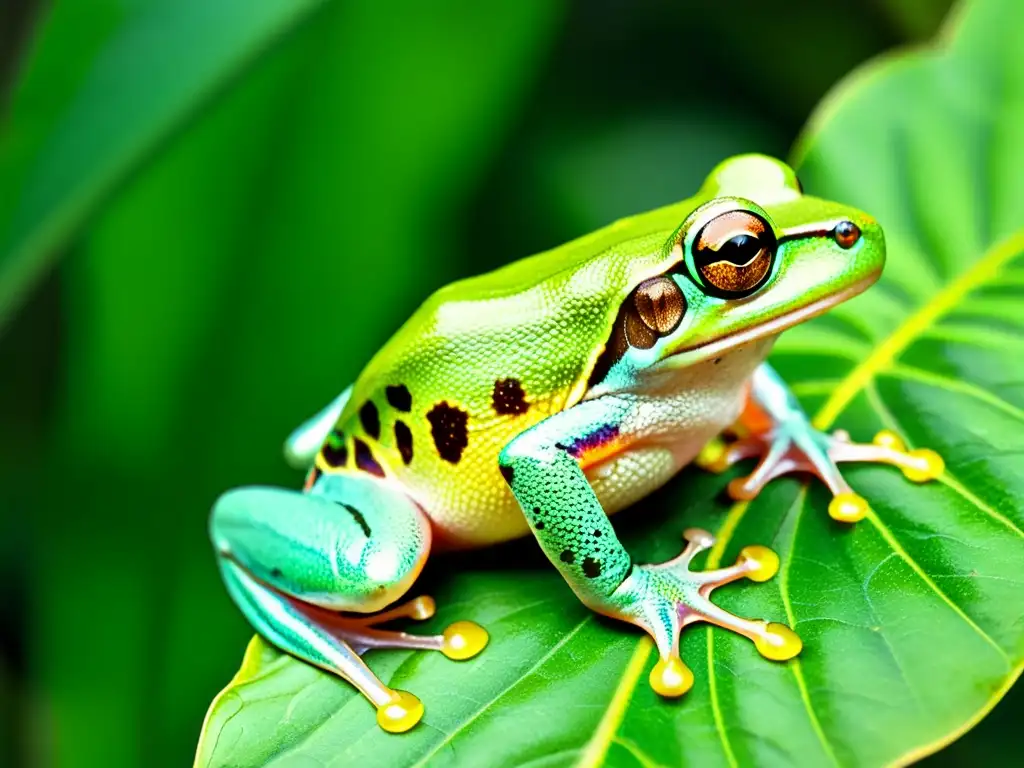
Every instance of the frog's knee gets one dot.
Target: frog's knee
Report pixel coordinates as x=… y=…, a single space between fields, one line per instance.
x=357 y=551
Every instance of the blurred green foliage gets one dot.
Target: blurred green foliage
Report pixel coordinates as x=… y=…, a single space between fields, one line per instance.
x=254 y=198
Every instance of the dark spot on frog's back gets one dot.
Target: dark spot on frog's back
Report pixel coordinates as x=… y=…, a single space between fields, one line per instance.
x=370 y=419
x=509 y=398
x=365 y=460
x=448 y=427
x=334 y=452
x=399 y=397
x=403 y=439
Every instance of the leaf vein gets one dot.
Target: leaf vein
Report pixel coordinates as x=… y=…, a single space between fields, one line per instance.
x=794 y=664
x=943 y=302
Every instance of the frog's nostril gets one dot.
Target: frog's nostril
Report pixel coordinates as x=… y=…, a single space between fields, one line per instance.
x=846 y=234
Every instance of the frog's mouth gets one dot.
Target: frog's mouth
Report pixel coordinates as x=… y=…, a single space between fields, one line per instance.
x=775 y=326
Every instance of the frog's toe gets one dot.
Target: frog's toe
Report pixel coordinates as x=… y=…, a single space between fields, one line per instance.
x=463 y=640
x=670 y=677
x=848 y=507
x=459 y=641
x=799 y=448
x=397 y=711
x=717 y=455
x=400 y=713
x=919 y=465
x=713 y=456
x=664 y=599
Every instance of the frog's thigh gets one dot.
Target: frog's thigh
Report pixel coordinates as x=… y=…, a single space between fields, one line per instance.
x=627 y=477
x=355 y=544
x=292 y=560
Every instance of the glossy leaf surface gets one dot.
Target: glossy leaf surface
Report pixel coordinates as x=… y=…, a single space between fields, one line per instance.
x=911 y=620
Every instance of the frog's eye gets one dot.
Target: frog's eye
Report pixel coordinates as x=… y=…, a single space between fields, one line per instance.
x=733 y=253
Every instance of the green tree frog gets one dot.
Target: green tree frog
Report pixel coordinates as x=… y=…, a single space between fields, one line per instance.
x=544 y=396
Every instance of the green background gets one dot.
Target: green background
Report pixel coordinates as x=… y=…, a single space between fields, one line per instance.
x=265 y=202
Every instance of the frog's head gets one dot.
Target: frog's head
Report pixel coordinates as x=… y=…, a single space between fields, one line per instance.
x=756 y=256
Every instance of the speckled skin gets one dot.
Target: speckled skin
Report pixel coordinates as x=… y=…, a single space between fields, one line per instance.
x=542 y=397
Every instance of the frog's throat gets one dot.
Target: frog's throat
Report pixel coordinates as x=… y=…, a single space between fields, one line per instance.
x=773 y=327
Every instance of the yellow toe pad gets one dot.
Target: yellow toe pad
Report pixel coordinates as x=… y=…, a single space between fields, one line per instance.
x=763 y=562
x=779 y=643
x=930 y=466
x=671 y=678
x=463 y=640
x=848 y=508
x=401 y=713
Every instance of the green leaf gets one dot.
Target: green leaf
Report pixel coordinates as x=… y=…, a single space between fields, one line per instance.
x=911 y=620
x=109 y=81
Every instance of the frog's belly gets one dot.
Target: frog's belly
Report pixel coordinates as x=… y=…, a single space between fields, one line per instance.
x=664 y=430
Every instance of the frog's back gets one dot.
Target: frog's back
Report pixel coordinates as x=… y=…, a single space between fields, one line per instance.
x=481 y=361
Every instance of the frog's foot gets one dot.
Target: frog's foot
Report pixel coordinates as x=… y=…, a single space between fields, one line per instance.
x=664 y=599
x=397 y=711
x=459 y=641
x=798 y=447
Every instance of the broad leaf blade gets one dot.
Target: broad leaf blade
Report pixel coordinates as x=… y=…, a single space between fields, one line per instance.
x=911 y=619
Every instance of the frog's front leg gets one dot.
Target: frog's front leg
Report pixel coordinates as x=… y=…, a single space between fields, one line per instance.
x=544 y=468
x=782 y=436
x=293 y=561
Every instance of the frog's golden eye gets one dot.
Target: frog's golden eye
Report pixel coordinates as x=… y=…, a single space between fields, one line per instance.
x=733 y=253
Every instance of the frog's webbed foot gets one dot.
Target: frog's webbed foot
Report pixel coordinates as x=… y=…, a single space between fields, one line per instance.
x=459 y=641
x=664 y=599
x=335 y=642
x=397 y=711
x=795 y=446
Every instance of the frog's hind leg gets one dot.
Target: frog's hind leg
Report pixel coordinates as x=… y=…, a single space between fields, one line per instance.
x=293 y=561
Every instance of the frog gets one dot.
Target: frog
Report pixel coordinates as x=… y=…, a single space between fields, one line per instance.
x=545 y=396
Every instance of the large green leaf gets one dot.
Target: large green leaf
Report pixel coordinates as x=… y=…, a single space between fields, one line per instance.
x=911 y=620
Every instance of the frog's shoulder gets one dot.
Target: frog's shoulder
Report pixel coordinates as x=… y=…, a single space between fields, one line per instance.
x=536 y=326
